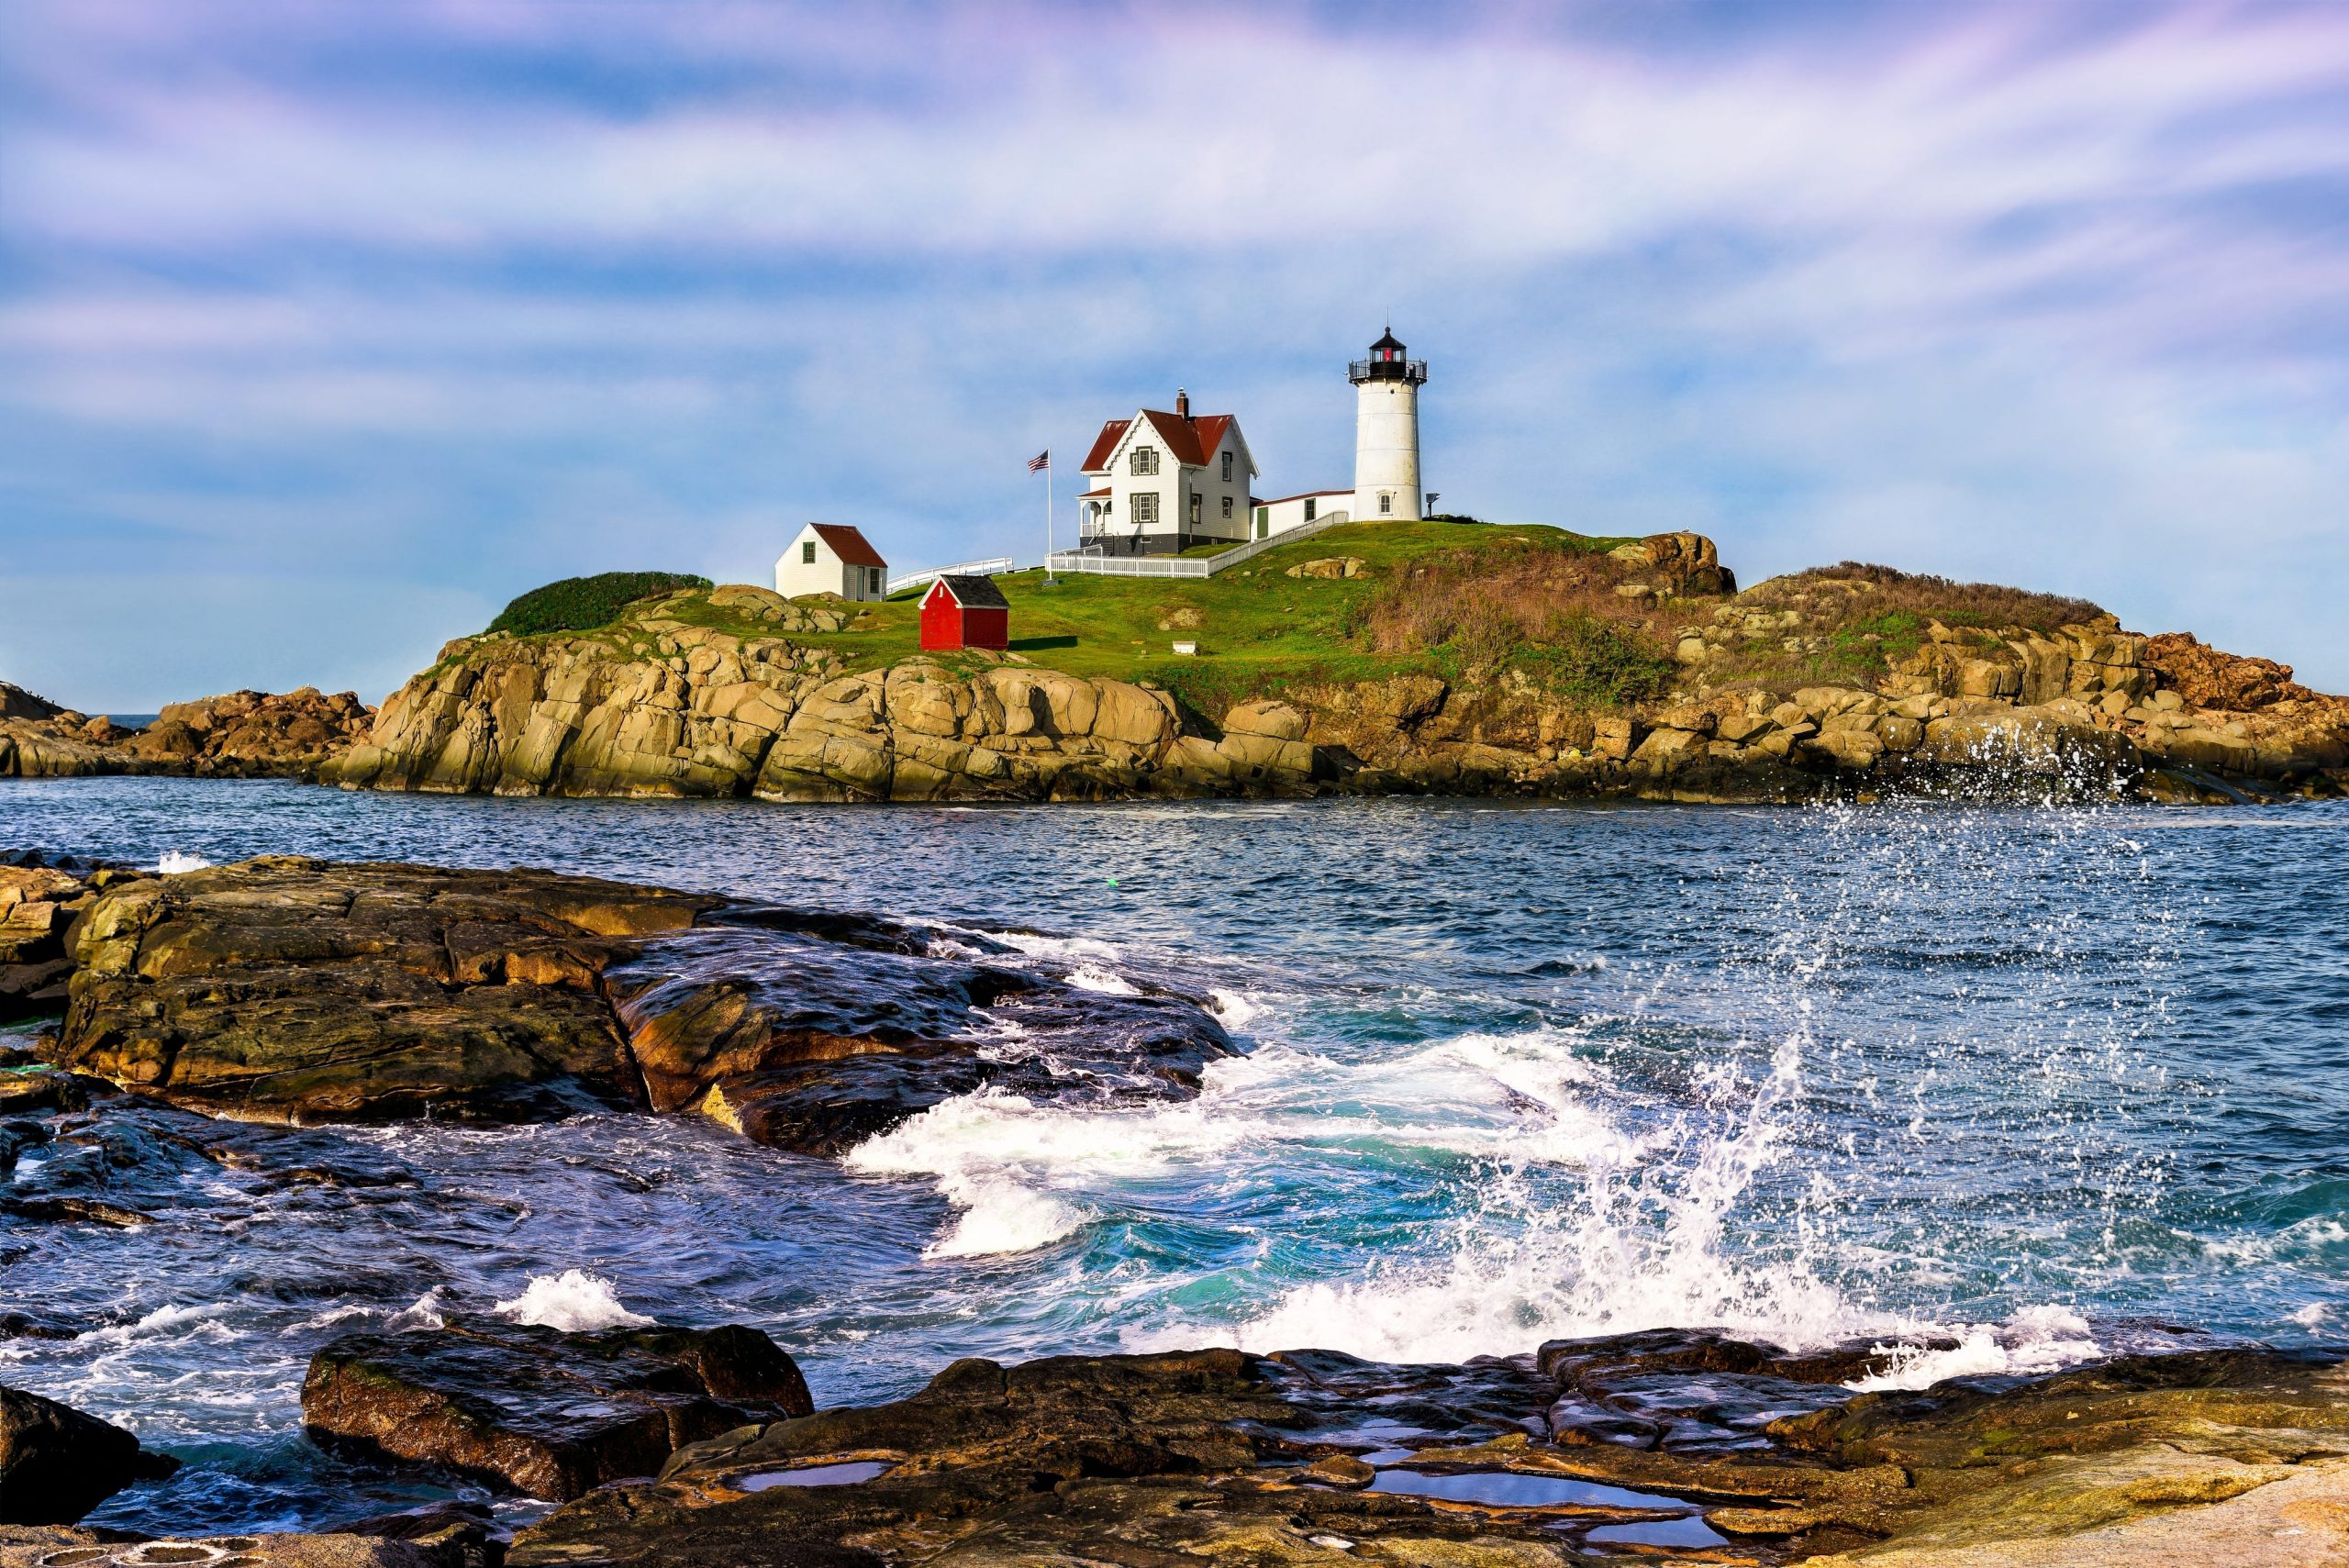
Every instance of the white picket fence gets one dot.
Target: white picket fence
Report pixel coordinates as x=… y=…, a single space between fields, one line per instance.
x=961 y=569
x=1190 y=566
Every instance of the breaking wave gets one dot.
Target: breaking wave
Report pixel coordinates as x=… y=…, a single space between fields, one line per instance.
x=574 y=1301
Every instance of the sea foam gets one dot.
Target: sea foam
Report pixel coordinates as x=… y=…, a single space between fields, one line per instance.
x=574 y=1301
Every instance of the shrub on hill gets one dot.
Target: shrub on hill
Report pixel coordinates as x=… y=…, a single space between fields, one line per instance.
x=1848 y=624
x=1957 y=604
x=583 y=604
x=1551 y=613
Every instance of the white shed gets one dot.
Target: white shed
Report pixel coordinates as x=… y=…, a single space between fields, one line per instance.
x=832 y=557
x=1294 y=511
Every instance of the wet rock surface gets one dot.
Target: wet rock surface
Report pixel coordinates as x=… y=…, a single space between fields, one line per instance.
x=1310 y=1457
x=808 y=1032
x=298 y=990
x=56 y=1464
x=104 y=1548
x=38 y=904
x=549 y=1414
x=287 y=989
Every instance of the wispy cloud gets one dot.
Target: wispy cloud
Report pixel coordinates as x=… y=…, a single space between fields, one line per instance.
x=2047 y=294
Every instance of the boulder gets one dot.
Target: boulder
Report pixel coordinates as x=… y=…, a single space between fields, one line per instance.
x=1278 y=720
x=1687 y=563
x=17 y=703
x=2047 y=743
x=814 y=1032
x=57 y=1463
x=550 y=1414
x=1328 y=566
x=2204 y=677
x=1616 y=738
x=293 y=990
x=1264 y=758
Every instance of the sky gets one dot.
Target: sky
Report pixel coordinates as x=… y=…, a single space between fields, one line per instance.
x=328 y=328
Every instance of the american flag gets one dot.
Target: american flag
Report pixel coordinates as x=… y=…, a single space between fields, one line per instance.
x=1040 y=462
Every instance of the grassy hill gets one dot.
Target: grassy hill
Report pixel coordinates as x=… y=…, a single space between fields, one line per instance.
x=1258 y=628
x=1539 y=608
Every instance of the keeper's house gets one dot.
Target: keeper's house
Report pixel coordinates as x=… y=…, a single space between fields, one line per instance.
x=830 y=557
x=1166 y=482
x=964 y=612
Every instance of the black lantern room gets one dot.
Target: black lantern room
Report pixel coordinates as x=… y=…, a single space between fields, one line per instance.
x=1388 y=361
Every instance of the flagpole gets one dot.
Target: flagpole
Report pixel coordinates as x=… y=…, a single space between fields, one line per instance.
x=1047 y=516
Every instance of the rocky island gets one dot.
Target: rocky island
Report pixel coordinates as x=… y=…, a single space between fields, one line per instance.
x=1399 y=657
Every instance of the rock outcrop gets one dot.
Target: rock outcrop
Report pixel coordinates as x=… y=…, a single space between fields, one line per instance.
x=1817 y=686
x=238 y=735
x=660 y=707
x=286 y=990
x=669 y=701
x=17 y=703
x=549 y=1414
x=1730 y=1452
x=297 y=991
x=57 y=1463
x=36 y=905
x=465 y=1545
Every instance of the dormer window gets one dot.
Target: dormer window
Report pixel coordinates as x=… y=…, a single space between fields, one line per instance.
x=1144 y=459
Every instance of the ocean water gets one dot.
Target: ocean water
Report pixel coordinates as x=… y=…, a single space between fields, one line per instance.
x=2029 y=1085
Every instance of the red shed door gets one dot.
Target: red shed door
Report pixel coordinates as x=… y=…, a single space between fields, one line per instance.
x=987 y=628
x=941 y=620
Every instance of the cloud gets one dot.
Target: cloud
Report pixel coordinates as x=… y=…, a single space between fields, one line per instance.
x=487 y=292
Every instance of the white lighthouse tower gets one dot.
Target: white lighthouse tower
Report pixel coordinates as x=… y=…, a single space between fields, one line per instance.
x=1386 y=431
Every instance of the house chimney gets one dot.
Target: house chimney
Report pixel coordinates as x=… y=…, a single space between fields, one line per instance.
x=1182 y=404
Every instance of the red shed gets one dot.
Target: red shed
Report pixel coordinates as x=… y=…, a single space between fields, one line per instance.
x=964 y=612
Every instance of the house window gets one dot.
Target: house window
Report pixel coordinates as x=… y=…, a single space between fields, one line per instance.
x=1226 y=506
x=808 y=554
x=1194 y=510
x=1144 y=459
x=1227 y=468
x=1145 y=507
x=1386 y=500
x=872 y=576
x=1308 y=509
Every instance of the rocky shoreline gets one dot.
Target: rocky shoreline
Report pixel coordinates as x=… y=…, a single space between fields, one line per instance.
x=219 y=1009
x=670 y=1446
x=735 y=693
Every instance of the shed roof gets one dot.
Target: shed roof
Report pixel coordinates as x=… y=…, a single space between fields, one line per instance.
x=850 y=545
x=976 y=592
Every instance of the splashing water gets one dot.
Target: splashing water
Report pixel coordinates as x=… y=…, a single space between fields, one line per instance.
x=574 y=1301
x=1999 y=1087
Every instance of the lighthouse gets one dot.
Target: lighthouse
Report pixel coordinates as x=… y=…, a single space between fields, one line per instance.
x=1386 y=431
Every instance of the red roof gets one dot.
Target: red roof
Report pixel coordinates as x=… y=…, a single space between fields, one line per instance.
x=851 y=546
x=1102 y=445
x=1089 y=495
x=1192 y=441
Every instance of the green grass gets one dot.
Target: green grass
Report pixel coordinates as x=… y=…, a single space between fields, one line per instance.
x=1259 y=631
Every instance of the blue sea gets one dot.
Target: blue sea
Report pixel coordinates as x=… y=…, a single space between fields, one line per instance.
x=2019 y=1087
